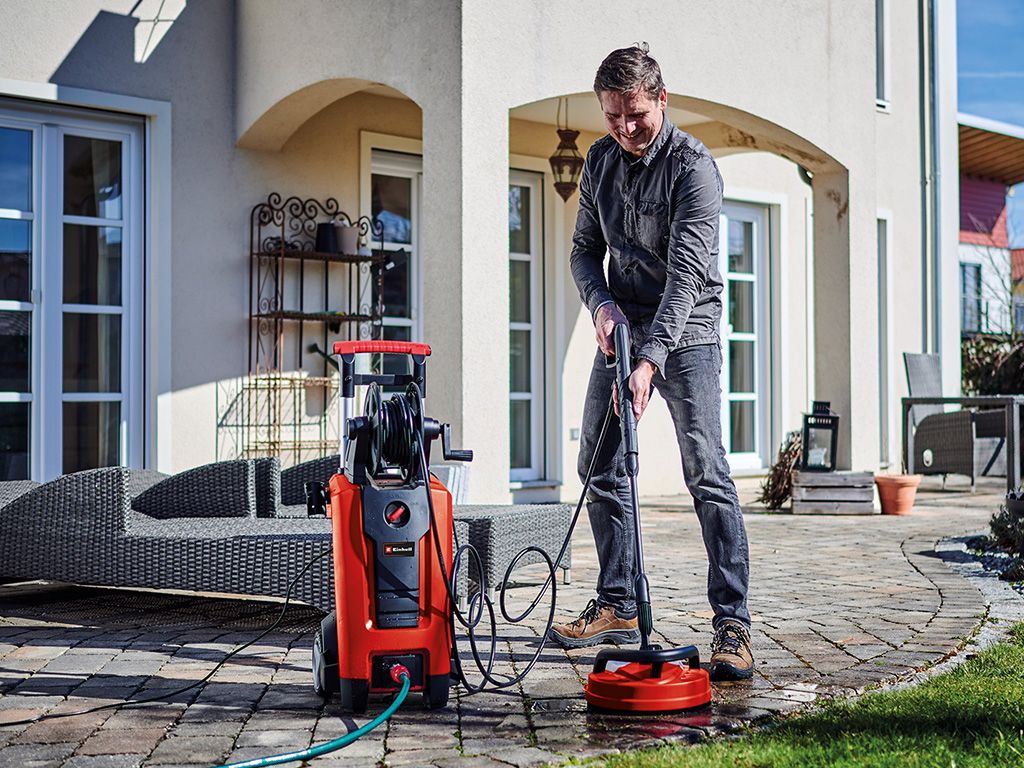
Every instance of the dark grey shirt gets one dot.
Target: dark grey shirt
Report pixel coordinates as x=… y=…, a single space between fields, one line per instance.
x=656 y=217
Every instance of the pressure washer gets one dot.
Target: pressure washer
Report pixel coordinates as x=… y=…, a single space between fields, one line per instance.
x=391 y=586
x=394 y=566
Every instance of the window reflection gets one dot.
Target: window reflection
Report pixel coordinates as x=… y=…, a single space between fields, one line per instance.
x=92 y=352
x=519 y=219
x=741 y=246
x=16 y=169
x=519 y=435
x=14 y=435
x=14 y=351
x=391 y=205
x=92 y=177
x=92 y=265
x=15 y=260
x=91 y=435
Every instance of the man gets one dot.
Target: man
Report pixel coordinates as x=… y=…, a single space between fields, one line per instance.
x=650 y=198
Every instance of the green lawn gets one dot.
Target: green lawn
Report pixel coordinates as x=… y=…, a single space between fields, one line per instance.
x=972 y=716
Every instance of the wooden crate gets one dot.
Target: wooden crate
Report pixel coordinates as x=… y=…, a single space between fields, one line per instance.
x=833 y=493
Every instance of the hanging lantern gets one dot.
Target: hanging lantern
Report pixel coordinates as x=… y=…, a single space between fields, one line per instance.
x=821 y=435
x=566 y=163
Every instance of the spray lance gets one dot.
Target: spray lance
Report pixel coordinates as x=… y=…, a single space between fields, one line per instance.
x=631 y=456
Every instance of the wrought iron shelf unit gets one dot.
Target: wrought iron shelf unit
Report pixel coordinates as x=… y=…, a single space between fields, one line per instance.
x=320 y=317
x=301 y=300
x=338 y=258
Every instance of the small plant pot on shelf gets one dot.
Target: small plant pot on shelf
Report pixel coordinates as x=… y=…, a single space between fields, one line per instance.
x=896 y=493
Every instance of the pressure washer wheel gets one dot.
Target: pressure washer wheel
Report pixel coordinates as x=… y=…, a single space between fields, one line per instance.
x=325 y=658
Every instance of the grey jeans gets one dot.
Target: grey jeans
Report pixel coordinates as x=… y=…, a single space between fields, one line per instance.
x=690 y=386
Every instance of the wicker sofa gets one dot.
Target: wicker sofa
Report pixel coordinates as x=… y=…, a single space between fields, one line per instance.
x=82 y=528
x=209 y=529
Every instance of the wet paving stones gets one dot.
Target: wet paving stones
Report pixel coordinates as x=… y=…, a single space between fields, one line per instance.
x=841 y=605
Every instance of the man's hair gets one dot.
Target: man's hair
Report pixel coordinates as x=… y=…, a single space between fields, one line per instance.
x=630 y=70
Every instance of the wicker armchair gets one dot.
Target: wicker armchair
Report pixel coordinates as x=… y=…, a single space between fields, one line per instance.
x=965 y=442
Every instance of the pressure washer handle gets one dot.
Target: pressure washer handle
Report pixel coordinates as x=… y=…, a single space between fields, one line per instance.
x=655 y=657
x=627 y=416
x=349 y=349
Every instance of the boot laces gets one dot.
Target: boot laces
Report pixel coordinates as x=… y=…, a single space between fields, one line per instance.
x=730 y=638
x=589 y=615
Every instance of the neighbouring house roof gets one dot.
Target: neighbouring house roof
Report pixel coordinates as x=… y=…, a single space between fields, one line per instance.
x=990 y=150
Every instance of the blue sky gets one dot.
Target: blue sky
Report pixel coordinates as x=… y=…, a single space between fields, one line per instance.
x=990 y=61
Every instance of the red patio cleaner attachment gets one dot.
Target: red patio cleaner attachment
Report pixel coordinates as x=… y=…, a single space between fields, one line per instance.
x=648 y=679
x=391 y=605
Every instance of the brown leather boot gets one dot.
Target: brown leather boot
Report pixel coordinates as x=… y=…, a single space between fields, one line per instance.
x=595 y=625
x=731 y=658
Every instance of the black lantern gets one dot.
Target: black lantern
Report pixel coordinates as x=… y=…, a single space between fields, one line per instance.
x=821 y=435
x=566 y=163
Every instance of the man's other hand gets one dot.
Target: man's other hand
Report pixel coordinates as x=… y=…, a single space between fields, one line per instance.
x=607 y=317
x=640 y=386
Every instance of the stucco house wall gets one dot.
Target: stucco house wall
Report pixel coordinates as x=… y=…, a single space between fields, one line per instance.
x=260 y=96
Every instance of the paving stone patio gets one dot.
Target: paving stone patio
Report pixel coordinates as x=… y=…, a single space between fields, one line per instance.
x=841 y=604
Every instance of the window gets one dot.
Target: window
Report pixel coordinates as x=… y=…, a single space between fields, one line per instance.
x=970 y=298
x=743 y=255
x=71 y=379
x=882 y=44
x=395 y=200
x=886 y=393
x=526 y=337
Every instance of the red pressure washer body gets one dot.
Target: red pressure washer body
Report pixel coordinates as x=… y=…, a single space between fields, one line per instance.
x=390 y=597
x=391 y=602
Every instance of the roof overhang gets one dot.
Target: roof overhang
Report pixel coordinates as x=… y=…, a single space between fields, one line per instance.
x=991 y=150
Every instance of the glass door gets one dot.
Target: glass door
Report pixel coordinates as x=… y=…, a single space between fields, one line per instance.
x=17 y=317
x=395 y=200
x=526 y=355
x=71 y=360
x=743 y=255
x=93 y=301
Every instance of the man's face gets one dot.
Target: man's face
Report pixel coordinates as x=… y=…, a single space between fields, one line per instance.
x=633 y=120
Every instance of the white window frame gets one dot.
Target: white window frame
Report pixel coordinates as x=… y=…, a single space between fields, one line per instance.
x=762 y=216
x=46 y=420
x=883 y=56
x=158 y=256
x=537 y=468
x=398 y=156
x=406 y=166
x=887 y=363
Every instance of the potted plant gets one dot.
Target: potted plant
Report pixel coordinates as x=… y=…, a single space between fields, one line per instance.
x=1015 y=501
x=896 y=492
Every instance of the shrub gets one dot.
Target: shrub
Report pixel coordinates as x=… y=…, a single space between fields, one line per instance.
x=1008 y=529
x=992 y=364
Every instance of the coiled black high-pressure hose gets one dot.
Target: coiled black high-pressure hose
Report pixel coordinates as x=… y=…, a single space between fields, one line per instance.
x=400 y=438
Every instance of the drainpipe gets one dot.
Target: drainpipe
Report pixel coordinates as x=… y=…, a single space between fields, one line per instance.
x=936 y=198
x=927 y=212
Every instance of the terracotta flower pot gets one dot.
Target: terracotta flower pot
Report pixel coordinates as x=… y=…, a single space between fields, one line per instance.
x=896 y=493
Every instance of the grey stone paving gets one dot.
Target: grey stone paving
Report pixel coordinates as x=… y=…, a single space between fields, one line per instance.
x=841 y=604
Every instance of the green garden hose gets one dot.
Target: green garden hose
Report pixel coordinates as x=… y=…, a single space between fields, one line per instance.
x=331 y=746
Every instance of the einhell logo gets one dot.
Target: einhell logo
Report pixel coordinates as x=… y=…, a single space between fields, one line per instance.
x=400 y=549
